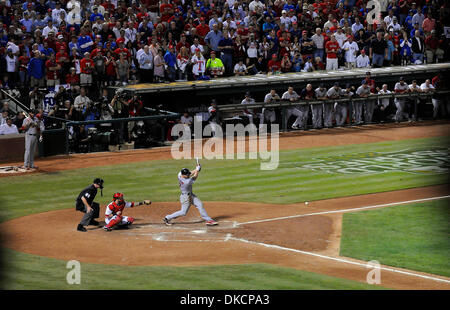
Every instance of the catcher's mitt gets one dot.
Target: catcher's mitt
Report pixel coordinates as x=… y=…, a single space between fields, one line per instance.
x=145 y=202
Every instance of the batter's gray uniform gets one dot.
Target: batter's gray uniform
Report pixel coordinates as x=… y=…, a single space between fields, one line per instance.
x=296 y=110
x=187 y=198
x=358 y=105
x=31 y=138
x=317 y=109
x=400 y=102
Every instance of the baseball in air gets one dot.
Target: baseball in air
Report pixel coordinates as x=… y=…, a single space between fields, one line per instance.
x=306 y=203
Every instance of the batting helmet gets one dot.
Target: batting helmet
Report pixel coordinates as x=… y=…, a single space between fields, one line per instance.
x=185 y=171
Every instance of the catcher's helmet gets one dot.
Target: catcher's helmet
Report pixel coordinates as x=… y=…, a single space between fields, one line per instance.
x=99 y=181
x=118 y=196
x=185 y=171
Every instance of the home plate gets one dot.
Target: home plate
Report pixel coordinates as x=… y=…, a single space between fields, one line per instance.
x=202 y=231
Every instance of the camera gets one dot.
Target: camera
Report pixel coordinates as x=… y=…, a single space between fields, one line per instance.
x=121 y=94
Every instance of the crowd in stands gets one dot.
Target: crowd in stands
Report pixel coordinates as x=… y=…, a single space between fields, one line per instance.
x=61 y=54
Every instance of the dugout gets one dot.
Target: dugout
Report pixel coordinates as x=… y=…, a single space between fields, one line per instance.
x=195 y=96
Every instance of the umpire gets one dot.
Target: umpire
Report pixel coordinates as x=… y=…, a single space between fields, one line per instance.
x=85 y=203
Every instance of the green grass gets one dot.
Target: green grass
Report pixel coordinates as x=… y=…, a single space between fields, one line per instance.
x=24 y=271
x=238 y=180
x=412 y=236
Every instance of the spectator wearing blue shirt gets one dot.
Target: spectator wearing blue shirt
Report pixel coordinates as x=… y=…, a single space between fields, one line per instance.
x=85 y=42
x=96 y=14
x=413 y=31
x=51 y=4
x=26 y=4
x=45 y=50
x=408 y=21
x=36 y=70
x=39 y=22
x=405 y=50
x=227 y=49
x=268 y=25
x=3 y=38
x=171 y=61
x=74 y=44
x=27 y=22
x=213 y=38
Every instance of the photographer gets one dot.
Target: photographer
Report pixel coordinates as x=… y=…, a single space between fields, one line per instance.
x=106 y=110
x=118 y=103
x=135 y=106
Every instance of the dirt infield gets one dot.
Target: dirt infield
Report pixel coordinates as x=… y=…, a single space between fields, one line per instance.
x=284 y=235
x=287 y=141
x=291 y=242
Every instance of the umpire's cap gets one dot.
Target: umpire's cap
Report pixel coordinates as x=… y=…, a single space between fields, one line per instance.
x=99 y=182
x=185 y=171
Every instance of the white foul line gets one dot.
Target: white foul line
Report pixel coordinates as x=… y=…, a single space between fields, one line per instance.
x=345 y=210
x=340 y=260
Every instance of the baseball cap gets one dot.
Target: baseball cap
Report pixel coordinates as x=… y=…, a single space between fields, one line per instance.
x=363 y=82
x=60 y=36
x=336 y=84
x=322 y=85
x=247 y=94
x=368 y=73
x=401 y=79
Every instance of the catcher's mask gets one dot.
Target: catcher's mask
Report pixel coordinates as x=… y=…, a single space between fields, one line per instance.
x=118 y=196
x=185 y=171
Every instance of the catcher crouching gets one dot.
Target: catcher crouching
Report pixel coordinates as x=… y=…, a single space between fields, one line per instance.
x=113 y=213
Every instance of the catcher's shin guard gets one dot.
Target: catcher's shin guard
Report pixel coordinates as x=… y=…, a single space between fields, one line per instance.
x=114 y=221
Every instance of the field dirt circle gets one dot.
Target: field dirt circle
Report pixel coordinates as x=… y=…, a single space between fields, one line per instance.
x=150 y=242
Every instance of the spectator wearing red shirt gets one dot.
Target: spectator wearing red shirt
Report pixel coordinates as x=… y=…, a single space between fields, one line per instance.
x=108 y=6
x=202 y=30
x=166 y=10
x=182 y=43
x=274 y=65
x=72 y=78
x=62 y=59
x=432 y=48
x=52 y=71
x=60 y=43
x=86 y=68
x=332 y=49
x=51 y=41
x=23 y=65
x=121 y=49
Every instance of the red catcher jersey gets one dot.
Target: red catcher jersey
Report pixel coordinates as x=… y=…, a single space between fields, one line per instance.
x=113 y=208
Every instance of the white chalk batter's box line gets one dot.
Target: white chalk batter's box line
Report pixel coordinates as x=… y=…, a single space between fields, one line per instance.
x=346 y=210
